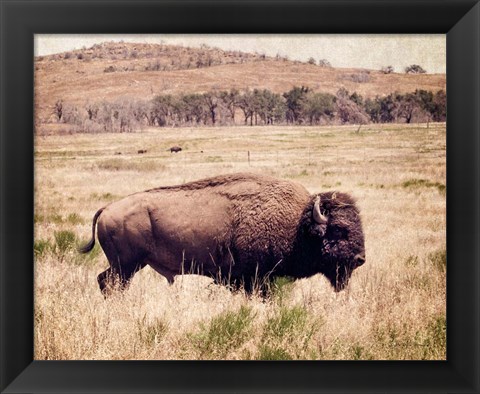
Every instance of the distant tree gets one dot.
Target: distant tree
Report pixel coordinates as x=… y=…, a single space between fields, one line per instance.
x=387 y=70
x=342 y=92
x=161 y=110
x=388 y=109
x=122 y=115
x=311 y=61
x=268 y=106
x=275 y=107
x=407 y=105
x=194 y=108
x=246 y=104
x=425 y=102
x=295 y=102
x=92 y=111
x=179 y=111
x=200 y=62
x=439 y=110
x=71 y=115
x=373 y=109
x=319 y=106
x=324 y=63
x=257 y=105
x=349 y=108
x=414 y=69
x=211 y=102
x=229 y=102
x=357 y=99
x=209 y=59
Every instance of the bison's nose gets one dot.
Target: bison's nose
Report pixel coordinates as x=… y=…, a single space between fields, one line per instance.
x=359 y=259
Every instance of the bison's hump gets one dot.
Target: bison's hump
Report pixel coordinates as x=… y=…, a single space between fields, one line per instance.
x=241 y=180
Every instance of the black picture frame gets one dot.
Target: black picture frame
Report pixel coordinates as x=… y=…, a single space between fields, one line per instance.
x=20 y=20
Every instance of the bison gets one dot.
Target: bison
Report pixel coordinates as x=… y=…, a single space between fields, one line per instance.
x=239 y=229
x=175 y=149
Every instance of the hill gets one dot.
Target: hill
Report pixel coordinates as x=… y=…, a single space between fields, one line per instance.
x=111 y=70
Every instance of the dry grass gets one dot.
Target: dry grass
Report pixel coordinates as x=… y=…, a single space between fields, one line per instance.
x=394 y=307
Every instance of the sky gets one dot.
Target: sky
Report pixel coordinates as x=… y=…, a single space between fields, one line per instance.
x=372 y=51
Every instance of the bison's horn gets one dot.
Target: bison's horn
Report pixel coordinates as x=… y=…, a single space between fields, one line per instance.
x=317 y=215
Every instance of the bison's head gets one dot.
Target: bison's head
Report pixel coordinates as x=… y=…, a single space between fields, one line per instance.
x=337 y=233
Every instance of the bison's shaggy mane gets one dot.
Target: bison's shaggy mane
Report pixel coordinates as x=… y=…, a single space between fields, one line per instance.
x=217 y=181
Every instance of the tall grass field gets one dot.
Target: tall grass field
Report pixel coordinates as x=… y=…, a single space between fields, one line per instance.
x=393 y=309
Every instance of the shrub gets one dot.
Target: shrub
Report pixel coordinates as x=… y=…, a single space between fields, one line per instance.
x=151 y=333
x=287 y=334
x=360 y=353
x=280 y=287
x=437 y=334
x=439 y=259
x=64 y=241
x=361 y=77
x=41 y=247
x=74 y=218
x=117 y=164
x=416 y=183
x=224 y=332
x=267 y=353
x=37 y=218
x=286 y=323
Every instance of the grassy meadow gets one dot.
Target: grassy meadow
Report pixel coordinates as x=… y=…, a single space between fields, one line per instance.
x=395 y=304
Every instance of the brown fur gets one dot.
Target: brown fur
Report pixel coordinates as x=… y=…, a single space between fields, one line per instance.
x=237 y=228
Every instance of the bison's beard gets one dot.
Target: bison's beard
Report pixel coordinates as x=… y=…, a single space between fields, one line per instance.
x=339 y=277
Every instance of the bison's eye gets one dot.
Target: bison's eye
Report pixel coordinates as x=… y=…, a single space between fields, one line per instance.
x=338 y=232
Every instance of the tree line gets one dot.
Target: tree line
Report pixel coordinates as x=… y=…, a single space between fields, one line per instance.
x=298 y=106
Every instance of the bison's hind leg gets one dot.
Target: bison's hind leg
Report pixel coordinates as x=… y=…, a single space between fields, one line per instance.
x=106 y=282
x=123 y=267
x=114 y=279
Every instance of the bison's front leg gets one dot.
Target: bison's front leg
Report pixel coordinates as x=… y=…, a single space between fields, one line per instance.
x=169 y=275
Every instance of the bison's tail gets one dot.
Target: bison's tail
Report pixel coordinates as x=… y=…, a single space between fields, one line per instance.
x=89 y=246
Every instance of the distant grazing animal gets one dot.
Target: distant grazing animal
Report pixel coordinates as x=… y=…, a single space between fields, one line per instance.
x=240 y=229
x=142 y=151
x=175 y=149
